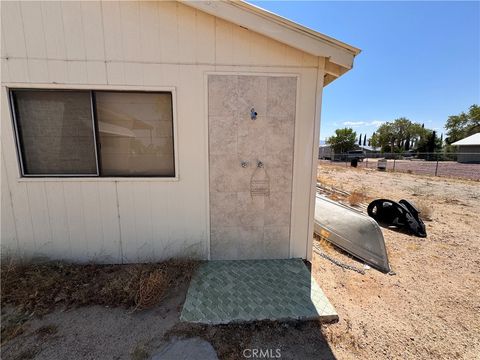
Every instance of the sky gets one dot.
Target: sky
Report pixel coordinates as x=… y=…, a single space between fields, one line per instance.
x=419 y=60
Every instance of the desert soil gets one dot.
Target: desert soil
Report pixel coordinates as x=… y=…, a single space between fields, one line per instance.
x=429 y=310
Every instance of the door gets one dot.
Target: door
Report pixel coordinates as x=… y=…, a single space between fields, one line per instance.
x=251 y=134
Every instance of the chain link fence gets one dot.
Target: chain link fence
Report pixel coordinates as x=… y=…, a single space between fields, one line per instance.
x=456 y=165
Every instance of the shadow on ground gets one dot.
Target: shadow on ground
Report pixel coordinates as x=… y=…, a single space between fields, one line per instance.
x=285 y=340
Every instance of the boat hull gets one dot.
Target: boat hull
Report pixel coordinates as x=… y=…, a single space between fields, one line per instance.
x=352 y=231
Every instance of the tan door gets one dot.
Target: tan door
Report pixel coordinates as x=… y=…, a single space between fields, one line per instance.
x=250 y=204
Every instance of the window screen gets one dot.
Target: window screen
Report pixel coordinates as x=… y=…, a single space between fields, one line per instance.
x=135 y=133
x=94 y=133
x=55 y=132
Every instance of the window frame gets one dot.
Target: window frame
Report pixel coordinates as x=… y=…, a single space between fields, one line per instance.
x=98 y=176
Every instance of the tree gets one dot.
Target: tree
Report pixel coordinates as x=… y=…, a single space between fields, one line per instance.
x=428 y=144
x=393 y=136
x=344 y=140
x=463 y=125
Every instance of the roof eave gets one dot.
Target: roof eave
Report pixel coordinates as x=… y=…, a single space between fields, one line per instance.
x=283 y=30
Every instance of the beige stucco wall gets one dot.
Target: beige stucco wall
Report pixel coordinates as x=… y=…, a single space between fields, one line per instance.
x=137 y=46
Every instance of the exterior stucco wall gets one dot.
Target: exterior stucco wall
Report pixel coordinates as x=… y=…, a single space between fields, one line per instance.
x=135 y=46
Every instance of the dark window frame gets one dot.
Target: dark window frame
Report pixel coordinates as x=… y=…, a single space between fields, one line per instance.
x=95 y=134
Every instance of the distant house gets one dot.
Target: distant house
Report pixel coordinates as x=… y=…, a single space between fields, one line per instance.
x=368 y=150
x=325 y=152
x=468 y=149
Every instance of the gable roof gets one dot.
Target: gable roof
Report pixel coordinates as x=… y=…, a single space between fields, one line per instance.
x=340 y=55
x=469 y=140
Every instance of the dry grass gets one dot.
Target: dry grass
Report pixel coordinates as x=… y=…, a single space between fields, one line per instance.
x=426 y=211
x=357 y=196
x=152 y=289
x=334 y=197
x=326 y=181
x=139 y=353
x=342 y=335
x=46 y=331
x=13 y=326
x=40 y=288
x=28 y=354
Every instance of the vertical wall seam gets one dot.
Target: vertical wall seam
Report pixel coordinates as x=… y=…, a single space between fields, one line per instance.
x=48 y=212
x=11 y=201
x=119 y=226
x=104 y=46
x=45 y=42
x=101 y=217
x=67 y=222
x=24 y=39
x=31 y=218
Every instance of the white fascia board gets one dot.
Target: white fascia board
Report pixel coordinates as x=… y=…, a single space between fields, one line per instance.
x=280 y=29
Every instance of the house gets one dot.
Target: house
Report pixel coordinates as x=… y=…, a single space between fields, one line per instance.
x=468 y=149
x=325 y=152
x=139 y=131
x=369 y=151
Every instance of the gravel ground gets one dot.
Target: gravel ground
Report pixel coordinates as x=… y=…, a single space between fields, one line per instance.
x=430 y=308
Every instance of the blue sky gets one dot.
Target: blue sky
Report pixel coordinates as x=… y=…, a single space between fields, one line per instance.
x=419 y=60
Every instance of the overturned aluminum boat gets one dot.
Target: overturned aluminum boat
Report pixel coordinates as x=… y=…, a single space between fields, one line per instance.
x=352 y=231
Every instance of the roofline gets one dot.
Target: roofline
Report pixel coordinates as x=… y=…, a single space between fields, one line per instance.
x=296 y=26
x=455 y=144
x=283 y=30
x=458 y=142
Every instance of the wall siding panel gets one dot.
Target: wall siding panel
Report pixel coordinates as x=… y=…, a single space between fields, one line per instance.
x=112 y=28
x=53 y=28
x=57 y=71
x=40 y=220
x=38 y=70
x=73 y=30
x=57 y=213
x=107 y=192
x=12 y=23
x=205 y=38
x=96 y=72
x=168 y=32
x=76 y=221
x=18 y=70
x=33 y=29
x=93 y=221
x=93 y=30
x=150 y=31
x=144 y=46
x=130 y=31
x=8 y=235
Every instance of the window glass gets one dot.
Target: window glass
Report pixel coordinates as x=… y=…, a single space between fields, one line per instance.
x=135 y=132
x=55 y=132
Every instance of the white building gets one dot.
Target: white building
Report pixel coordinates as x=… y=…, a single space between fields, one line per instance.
x=468 y=149
x=127 y=131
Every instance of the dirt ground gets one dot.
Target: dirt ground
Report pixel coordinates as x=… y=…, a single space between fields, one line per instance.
x=429 y=310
